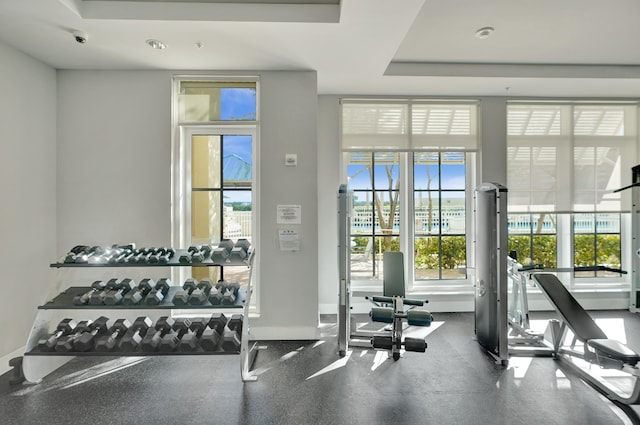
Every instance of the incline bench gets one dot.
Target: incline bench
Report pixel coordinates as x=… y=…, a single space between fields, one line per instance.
x=598 y=349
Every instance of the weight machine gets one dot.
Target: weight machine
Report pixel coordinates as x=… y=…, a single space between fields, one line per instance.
x=502 y=317
x=389 y=308
x=501 y=303
x=634 y=296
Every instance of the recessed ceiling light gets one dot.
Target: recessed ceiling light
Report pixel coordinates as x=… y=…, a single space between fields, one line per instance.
x=485 y=32
x=156 y=44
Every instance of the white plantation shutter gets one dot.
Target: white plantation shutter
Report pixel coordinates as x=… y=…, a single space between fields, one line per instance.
x=570 y=157
x=408 y=126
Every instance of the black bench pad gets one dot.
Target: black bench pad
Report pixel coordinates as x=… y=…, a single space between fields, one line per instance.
x=571 y=312
x=615 y=350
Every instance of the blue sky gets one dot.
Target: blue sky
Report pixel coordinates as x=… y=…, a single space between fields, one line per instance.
x=237 y=103
x=239 y=145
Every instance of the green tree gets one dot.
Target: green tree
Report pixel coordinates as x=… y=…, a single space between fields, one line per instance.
x=393 y=191
x=453 y=251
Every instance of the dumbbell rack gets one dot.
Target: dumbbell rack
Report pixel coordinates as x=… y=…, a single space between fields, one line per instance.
x=37 y=364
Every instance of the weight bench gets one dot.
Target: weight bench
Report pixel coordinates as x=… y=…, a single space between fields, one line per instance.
x=598 y=349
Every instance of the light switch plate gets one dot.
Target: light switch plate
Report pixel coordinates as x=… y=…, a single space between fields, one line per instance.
x=291 y=159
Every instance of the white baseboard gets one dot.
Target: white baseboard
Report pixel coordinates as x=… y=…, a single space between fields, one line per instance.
x=4 y=361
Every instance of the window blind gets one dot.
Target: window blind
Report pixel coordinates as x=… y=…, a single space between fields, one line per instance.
x=408 y=126
x=570 y=157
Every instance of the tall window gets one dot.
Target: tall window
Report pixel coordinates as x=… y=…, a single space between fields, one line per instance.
x=374 y=178
x=564 y=162
x=221 y=184
x=439 y=185
x=533 y=238
x=406 y=163
x=214 y=167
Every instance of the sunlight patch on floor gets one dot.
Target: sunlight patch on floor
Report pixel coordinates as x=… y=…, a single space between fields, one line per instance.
x=333 y=366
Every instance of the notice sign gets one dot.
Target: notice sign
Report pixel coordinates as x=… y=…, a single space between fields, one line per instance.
x=289 y=214
x=289 y=240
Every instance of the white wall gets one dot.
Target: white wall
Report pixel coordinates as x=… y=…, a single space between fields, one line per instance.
x=114 y=160
x=328 y=183
x=28 y=193
x=288 y=280
x=493 y=141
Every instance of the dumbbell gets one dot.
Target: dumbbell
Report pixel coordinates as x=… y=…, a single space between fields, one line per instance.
x=134 y=297
x=210 y=338
x=66 y=342
x=215 y=294
x=220 y=254
x=64 y=327
x=206 y=251
x=181 y=297
x=133 y=255
x=166 y=256
x=170 y=338
x=230 y=293
x=190 y=341
x=199 y=254
x=185 y=258
x=199 y=325
x=152 y=339
x=109 y=256
x=75 y=251
x=240 y=250
x=130 y=246
x=136 y=255
x=199 y=295
x=159 y=292
x=146 y=254
x=116 y=295
x=231 y=338
x=97 y=286
x=156 y=254
x=83 y=257
x=135 y=334
x=187 y=334
x=97 y=297
x=86 y=340
x=108 y=342
x=100 y=256
x=122 y=257
x=82 y=253
x=224 y=292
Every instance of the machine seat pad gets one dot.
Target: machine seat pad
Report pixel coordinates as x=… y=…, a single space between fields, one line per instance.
x=615 y=350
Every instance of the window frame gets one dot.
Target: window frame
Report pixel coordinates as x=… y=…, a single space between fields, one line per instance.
x=407 y=231
x=181 y=189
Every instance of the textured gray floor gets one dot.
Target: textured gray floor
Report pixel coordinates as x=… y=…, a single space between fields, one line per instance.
x=306 y=382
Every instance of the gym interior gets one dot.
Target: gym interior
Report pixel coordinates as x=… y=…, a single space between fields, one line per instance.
x=93 y=167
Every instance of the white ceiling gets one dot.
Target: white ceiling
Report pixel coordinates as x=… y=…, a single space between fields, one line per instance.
x=567 y=48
